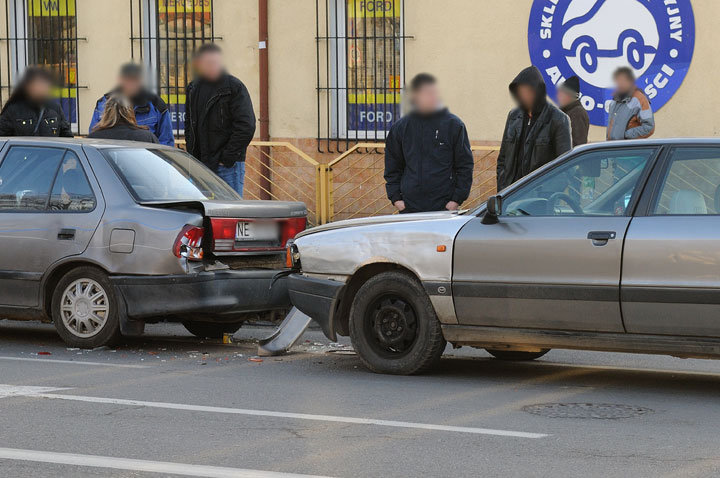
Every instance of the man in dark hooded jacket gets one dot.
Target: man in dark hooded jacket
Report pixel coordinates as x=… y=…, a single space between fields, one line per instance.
x=428 y=160
x=536 y=131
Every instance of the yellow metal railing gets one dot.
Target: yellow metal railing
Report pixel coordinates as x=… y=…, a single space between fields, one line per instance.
x=356 y=186
x=351 y=185
x=281 y=171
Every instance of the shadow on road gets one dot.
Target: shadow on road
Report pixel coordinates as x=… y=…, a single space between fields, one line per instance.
x=671 y=377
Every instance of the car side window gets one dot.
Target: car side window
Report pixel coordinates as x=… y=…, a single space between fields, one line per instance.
x=26 y=177
x=596 y=183
x=691 y=186
x=71 y=191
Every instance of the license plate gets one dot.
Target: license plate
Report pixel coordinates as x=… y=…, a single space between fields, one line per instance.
x=257 y=231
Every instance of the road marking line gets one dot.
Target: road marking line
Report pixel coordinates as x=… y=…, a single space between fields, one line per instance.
x=296 y=416
x=22 y=391
x=164 y=467
x=73 y=362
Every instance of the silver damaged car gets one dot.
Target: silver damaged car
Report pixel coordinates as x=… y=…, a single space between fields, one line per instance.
x=102 y=237
x=612 y=247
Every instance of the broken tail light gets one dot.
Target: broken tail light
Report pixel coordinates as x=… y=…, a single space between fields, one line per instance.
x=189 y=243
x=292 y=227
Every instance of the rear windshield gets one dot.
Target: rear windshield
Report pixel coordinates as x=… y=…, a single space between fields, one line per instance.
x=166 y=175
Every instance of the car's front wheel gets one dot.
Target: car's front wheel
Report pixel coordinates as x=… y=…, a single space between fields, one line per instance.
x=393 y=326
x=211 y=330
x=85 y=309
x=516 y=356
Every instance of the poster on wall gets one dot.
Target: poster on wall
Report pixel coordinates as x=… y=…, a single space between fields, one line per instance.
x=182 y=26
x=592 y=38
x=374 y=60
x=50 y=29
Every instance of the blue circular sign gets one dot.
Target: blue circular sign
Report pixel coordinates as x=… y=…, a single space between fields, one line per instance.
x=592 y=38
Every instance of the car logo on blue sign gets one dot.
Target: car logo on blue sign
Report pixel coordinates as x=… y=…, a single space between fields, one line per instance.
x=592 y=38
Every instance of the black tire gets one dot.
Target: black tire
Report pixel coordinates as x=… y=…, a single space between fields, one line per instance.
x=211 y=330
x=78 y=324
x=515 y=356
x=393 y=326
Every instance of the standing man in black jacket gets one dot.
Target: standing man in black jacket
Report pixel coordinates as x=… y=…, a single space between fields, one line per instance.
x=428 y=160
x=536 y=131
x=568 y=96
x=219 y=117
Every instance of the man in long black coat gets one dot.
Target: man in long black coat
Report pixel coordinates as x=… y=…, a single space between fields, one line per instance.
x=536 y=131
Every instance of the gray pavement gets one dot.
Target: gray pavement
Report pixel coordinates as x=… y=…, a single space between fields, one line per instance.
x=168 y=398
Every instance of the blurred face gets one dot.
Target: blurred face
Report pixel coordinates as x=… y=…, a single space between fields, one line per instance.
x=426 y=99
x=526 y=96
x=130 y=86
x=565 y=97
x=210 y=65
x=39 y=90
x=623 y=84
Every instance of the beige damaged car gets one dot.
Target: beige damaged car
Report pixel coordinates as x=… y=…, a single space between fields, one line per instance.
x=102 y=237
x=613 y=247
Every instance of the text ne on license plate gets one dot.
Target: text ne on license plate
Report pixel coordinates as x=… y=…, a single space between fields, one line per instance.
x=256 y=231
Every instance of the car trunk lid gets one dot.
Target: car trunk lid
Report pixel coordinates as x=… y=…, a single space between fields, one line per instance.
x=245 y=227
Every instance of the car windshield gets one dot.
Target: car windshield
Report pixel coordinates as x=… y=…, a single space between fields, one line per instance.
x=166 y=175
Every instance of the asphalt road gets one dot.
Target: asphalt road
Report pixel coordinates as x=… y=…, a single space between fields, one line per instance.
x=173 y=404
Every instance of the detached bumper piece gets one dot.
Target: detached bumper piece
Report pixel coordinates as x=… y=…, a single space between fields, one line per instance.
x=316 y=298
x=222 y=292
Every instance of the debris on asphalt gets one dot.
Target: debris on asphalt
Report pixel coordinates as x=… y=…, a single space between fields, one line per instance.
x=320 y=348
x=44 y=353
x=255 y=359
x=342 y=352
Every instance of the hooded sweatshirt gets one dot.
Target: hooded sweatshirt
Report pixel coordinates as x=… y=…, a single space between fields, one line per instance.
x=531 y=138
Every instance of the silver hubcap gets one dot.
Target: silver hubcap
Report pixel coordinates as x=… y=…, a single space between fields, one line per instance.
x=84 y=308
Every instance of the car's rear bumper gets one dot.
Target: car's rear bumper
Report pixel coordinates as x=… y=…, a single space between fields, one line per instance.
x=220 y=293
x=317 y=298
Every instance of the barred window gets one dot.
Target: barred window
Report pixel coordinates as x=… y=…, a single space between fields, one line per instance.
x=43 y=33
x=164 y=35
x=360 y=71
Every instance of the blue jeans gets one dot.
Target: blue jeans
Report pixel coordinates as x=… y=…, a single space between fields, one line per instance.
x=234 y=176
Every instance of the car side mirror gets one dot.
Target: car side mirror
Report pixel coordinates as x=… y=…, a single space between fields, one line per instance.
x=493 y=210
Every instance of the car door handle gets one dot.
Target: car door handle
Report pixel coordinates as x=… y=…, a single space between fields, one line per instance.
x=601 y=238
x=601 y=235
x=66 y=234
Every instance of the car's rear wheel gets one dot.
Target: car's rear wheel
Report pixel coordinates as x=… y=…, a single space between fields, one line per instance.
x=211 y=330
x=516 y=356
x=393 y=326
x=85 y=309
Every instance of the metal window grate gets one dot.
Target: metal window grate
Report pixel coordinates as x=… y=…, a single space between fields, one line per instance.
x=164 y=34
x=42 y=33
x=360 y=70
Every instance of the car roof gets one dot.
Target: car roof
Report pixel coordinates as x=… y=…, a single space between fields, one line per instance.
x=650 y=142
x=82 y=141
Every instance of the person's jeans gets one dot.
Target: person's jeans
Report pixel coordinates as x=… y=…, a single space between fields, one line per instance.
x=234 y=176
